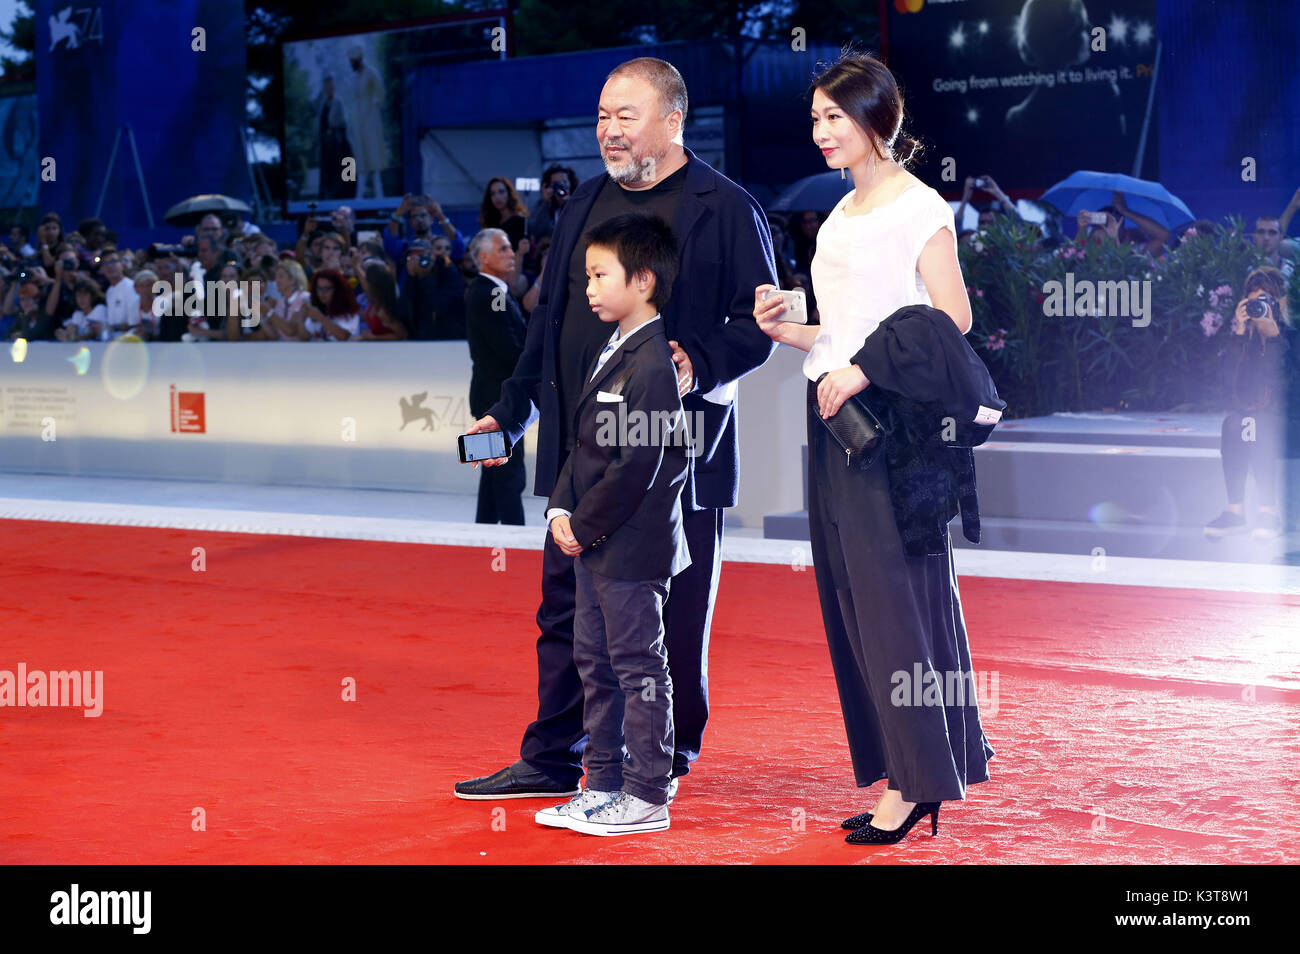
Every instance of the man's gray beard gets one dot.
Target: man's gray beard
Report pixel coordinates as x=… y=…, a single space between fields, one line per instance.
x=637 y=167
x=627 y=173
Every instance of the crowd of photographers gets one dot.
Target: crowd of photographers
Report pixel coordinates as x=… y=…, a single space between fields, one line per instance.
x=406 y=280
x=228 y=281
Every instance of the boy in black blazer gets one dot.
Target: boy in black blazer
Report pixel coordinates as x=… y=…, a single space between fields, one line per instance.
x=617 y=509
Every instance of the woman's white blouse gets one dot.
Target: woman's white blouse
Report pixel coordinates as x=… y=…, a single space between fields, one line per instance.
x=349 y=323
x=865 y=269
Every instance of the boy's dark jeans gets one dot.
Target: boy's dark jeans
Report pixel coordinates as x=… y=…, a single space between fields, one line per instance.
x=618 y=648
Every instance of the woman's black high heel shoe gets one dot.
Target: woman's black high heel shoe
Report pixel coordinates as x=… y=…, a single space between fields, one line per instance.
x=857 y=821
x=871 y=835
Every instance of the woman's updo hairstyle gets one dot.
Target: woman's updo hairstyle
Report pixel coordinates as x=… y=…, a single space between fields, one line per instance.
x=865 y=89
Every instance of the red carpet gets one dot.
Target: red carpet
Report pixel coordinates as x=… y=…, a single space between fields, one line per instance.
x=1123 y=731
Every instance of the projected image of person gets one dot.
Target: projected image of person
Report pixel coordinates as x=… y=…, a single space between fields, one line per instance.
x=366 y=123
x=1052 y=35
x=334 y=145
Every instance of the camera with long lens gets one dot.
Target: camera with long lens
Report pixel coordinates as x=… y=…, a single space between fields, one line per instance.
x=1260 y=306
x=559 y=187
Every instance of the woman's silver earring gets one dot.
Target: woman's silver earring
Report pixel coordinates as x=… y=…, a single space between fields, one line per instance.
x=842 y=172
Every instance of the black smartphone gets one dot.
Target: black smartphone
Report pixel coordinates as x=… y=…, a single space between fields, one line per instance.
x=483 y=446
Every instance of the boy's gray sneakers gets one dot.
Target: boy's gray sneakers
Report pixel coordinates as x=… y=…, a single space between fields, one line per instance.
x=624 y=814
x=558 y=817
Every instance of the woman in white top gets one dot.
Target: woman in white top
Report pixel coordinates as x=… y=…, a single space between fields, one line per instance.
x=888 y=616
x=284 y=315
x=91 y=317
x=332 y=313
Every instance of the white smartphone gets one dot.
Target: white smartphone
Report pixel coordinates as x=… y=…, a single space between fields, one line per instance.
x=796 y=305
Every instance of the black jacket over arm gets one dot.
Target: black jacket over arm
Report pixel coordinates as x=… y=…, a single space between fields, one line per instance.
x=726 y=250
x=934 y=396
x=623 y=481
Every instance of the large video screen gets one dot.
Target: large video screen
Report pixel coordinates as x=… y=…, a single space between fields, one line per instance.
x=1027 y=91
x=343 y=106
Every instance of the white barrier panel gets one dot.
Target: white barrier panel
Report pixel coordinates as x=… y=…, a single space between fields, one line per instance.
x=343 y=414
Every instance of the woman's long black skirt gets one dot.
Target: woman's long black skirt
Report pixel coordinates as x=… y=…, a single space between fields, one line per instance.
x=896 y=634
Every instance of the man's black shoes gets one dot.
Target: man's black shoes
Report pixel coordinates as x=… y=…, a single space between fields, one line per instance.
x=514 y=781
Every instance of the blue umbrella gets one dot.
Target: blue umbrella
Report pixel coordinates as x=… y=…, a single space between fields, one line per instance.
x=817 y=193
x=1092 y=190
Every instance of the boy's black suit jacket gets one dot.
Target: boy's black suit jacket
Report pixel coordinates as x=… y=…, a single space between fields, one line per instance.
x=624 y=491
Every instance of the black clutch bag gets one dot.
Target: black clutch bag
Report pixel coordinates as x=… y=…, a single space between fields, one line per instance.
x=854 y=428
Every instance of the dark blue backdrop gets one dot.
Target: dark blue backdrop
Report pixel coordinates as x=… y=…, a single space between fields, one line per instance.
x=133 y=65
x=1229 y=87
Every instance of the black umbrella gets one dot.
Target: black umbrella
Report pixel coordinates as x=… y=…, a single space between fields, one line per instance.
x=817 y=193
x=189 y=211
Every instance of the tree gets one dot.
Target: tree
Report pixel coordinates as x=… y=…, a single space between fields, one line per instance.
x=21 y=35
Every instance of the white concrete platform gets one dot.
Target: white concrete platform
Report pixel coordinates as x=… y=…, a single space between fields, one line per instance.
x=444 y=519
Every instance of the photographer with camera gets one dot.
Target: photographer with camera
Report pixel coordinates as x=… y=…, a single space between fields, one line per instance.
x=432 y=298
x=24 y=317
x=94 y=236
x=1001 y=203
x=10 y=263
x=60 y=298
x=1258 y=369
x=1150 y=235
x=344 y=221
x=307 y=249
x=414 y=219
x=558 y=183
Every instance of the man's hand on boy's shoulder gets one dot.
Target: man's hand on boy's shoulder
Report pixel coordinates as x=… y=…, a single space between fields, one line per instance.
x=685 y=370
x=564 y=537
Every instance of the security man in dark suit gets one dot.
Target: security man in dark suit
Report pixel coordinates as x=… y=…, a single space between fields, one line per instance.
x=495 y=328
x=725 y=250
